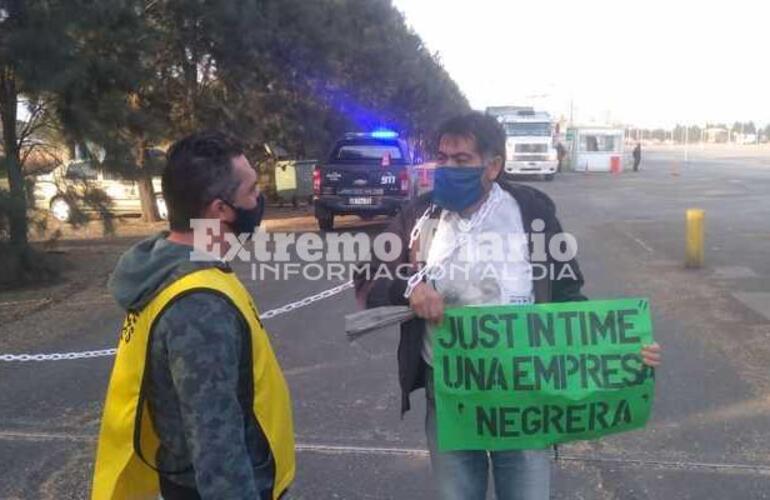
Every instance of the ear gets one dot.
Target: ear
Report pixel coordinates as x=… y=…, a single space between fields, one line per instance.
x=494 y=167
x=218 y=209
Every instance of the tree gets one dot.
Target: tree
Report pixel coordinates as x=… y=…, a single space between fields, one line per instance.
x=115 y=102
x=35 y=50
x=359 y=60
x=155 y=71
x=136 y=73
x=678 y=133
x=659 y=134
x=694 y=134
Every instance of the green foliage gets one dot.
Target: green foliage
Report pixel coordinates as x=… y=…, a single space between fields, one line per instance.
x=131 y=74
x=358 y=62
x=286 y=72
x=744 y=128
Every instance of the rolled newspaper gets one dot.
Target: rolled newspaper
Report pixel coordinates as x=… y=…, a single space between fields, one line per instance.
x=369 y=320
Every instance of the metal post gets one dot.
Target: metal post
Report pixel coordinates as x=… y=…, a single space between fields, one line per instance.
x=694 y=229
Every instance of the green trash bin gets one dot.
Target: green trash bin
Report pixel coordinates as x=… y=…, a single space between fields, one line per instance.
x=294 y=180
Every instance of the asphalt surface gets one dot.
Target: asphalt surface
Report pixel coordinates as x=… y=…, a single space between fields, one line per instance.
x=707 y=438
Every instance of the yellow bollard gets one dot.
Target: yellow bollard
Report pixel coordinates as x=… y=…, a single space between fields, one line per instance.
x=694 y=252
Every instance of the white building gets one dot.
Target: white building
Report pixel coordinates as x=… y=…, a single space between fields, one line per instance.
x=595 y=148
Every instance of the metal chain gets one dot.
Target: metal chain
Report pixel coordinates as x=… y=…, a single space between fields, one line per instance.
x=418 y=225
x=416 y=278
x=465 y=226
x=60 y=356
x=306 y=301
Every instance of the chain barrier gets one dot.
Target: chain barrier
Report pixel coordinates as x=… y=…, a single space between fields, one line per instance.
x=60 y=356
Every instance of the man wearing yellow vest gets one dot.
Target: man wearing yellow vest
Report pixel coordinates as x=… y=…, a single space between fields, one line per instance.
x=197 y=406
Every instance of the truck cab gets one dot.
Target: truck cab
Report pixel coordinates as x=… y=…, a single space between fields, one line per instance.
x=365 y=174
x=530 y=142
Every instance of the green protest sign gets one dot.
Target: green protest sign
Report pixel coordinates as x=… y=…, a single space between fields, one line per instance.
x=526 y=377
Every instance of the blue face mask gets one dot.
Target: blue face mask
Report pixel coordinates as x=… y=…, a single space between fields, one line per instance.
x=457 y=188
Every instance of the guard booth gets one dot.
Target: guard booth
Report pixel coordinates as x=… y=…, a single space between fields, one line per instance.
x=595 y=149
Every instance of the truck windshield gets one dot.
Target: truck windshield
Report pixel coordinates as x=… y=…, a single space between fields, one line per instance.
x=367 y=152
x=527 y=129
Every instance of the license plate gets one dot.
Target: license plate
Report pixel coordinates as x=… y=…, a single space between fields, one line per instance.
x=363 y=200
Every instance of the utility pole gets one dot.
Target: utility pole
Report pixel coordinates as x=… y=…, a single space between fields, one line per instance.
x=686 y=131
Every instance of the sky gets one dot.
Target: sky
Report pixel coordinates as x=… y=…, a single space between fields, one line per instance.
x=647 y=63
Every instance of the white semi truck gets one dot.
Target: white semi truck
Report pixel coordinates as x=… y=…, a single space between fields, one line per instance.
x=530 y=141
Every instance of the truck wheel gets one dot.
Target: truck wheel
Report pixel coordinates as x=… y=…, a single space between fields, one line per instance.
x=325 y=218
x=549 y=177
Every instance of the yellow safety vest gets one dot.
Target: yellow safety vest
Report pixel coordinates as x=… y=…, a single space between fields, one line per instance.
x=120 y=473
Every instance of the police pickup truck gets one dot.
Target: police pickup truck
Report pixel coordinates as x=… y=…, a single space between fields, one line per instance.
x=366 y=174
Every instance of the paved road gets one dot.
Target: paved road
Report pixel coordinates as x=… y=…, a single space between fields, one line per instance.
x=707 y=437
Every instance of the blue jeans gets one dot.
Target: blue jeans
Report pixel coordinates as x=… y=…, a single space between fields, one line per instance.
x=463 y=475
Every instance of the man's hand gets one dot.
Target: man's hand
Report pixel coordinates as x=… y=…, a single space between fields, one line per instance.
x=651 y=354
x=427 y=303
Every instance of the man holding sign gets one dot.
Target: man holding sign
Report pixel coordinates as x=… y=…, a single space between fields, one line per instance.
x=478 y=240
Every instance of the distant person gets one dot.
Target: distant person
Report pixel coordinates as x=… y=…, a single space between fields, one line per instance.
x=470 y=197
x=197 y=406
x=561 y=155
x=637 y=156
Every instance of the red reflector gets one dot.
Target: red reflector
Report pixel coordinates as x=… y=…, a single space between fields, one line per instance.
x=317 y=180
x=423 y=176
x=404 y=179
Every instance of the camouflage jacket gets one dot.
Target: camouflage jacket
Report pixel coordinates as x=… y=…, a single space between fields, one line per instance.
x=200 y=399
x=199 y=384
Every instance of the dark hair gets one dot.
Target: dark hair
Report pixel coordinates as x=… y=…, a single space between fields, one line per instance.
x=485 y=130
x=199 y=169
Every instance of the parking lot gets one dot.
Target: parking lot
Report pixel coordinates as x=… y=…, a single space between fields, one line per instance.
x=706 y=438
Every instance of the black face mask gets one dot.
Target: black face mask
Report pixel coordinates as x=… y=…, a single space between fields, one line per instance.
x=247 y=219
